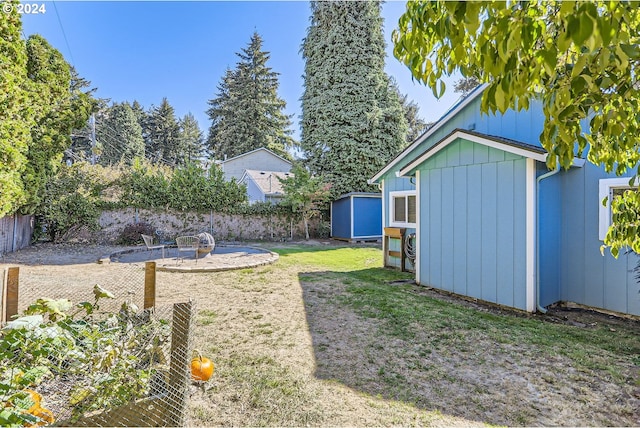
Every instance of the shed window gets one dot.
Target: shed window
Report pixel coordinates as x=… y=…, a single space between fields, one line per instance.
x=609 y=188
x=403 y=209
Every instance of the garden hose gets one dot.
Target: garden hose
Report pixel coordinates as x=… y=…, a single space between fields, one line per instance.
x=410 y=247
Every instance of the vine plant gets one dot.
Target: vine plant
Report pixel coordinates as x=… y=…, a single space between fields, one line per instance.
x=109 y=358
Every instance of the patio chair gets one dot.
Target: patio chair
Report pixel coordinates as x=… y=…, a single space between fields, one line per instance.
x=148 y=241
x=188 y=244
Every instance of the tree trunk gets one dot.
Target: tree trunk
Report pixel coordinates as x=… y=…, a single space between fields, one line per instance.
x=306 y=228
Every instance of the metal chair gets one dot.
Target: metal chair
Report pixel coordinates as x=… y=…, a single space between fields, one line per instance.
x=148 y=241
x=187 y=243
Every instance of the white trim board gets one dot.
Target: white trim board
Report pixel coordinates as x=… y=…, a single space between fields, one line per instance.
x=604 y=211
x=402 y=193
x=530 y=154
x=418 y=228
x=530 y=233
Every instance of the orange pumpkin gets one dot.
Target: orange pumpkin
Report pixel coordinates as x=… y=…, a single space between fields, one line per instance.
x=45 y=415
x=201 y=368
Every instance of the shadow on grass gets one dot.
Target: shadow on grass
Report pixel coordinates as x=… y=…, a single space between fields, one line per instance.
x=375 y=332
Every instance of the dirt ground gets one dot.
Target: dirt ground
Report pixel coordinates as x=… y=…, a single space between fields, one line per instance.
x=286 y=354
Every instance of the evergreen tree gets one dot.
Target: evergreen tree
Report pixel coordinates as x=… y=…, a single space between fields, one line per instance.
x=191 y=140
x=162 y=134
x=352 y=119
x=416 y=125
x=465 y=85
x=247 y=113
x=81 y=143
x=119 y=135
x=39 y=108
x=60 y=109
x=141 y=115
x=15 y=118
x=220 y=141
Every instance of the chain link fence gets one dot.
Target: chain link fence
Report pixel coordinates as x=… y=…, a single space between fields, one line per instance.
x=93 y=350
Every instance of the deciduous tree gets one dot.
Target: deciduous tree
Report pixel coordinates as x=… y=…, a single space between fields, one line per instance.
x=304 y=194
x=580 y=57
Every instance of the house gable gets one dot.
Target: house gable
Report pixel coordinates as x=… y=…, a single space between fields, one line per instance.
x=474 y=234
x=478 y=148
x=259 y=159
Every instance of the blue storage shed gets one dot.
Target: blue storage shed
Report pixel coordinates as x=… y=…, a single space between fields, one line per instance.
x=357 y=216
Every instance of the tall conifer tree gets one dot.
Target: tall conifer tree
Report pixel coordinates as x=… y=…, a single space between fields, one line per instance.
x=191 y=144
x=119 y=135
x=352 y=119
x=162 y=134
x=247 y=113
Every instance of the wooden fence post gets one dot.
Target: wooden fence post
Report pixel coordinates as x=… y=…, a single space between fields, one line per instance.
x=149 y=285
x=179 y=368
x=10 y=298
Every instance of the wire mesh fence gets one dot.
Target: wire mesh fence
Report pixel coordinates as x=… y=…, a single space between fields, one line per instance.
x=126 y=283
x=94 y=351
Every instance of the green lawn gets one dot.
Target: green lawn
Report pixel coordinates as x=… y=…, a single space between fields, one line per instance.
x=326 y=336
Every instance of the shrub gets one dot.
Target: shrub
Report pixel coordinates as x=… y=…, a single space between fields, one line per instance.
x=69 y=201
x=130 y=235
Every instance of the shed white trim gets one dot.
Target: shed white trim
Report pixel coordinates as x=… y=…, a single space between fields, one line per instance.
x=401 y=194
x=518 y=150
x=530 y=234
x=418 y=223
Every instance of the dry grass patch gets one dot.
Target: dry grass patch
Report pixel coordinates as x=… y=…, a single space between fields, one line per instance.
x=326 y=337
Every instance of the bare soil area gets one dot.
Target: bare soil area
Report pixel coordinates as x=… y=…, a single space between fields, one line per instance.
x=289 y=352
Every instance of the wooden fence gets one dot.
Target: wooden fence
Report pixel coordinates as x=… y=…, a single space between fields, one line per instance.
x=15 y=232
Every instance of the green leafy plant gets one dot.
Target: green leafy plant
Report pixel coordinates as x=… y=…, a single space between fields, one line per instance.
x=71 y=199
x=110 y=358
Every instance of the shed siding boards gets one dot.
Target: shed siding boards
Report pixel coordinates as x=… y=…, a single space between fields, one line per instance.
x=522 y=126
x=586 y=276
x=357 y=215
x=341 y=218
x=367 y=217
x=472 y=223
x=549 y=235
x=260 y=159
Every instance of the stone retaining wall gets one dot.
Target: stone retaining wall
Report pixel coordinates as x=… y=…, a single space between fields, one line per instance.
x=227 y=227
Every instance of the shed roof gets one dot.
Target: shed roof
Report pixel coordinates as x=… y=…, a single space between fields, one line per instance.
x=501 y=143
x=366 y=194
x=448 y=115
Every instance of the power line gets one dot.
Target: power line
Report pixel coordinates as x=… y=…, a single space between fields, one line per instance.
x=64 y=34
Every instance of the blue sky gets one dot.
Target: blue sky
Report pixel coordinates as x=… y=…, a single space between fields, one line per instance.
x=148 y=50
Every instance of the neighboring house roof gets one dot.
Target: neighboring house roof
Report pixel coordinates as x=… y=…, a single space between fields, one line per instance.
x=452 y=112
x=267 y=181
x=504 y=144
x=251 y=152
